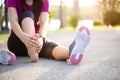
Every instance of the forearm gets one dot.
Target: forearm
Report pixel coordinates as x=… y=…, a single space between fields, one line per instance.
x=16 y=28
x=13 y=17
x=43 y=30
x=43 y=24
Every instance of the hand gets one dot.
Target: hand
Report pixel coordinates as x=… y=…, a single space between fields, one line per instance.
x=39 y=41
x=29 y=40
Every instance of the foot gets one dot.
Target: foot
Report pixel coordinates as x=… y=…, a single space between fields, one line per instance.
x=81 y=42
x=6 y=57
x=33 y=54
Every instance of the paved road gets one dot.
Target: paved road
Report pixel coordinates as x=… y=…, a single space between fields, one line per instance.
x=101 y=61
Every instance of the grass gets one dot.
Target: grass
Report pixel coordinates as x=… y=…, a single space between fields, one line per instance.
x=69 y=28
x=3 y=37
x=103 y=27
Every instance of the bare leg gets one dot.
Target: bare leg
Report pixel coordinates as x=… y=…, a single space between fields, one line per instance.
x=28 y=27
x=60 y=53
x=77 y=48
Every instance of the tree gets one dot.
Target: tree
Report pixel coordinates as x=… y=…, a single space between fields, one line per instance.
x=5 y=29
x=62 y=13
x=1 y=14
x=109 y=5
x=76 y=7
x=109 y=9
x=112 y=18
x=73 y=20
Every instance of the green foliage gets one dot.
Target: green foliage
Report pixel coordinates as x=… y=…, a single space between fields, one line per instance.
x=53 y=13
x=1 y=21
x=73 y=20
x=111 y=17
x=4 y=37
x=98 y=22
x=109 y=4
x=1 y=15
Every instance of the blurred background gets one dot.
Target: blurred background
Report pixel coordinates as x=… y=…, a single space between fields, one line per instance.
x=102 y=56
x=74 y=13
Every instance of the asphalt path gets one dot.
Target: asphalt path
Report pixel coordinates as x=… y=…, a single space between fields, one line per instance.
x=101 y=60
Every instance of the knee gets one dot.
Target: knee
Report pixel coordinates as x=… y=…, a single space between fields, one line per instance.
x=27 y=14
x=60 y=53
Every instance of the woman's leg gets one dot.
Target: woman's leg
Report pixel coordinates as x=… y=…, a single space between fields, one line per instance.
x=76 y=49
x=53 y=51
x=60 y=53
x=27 y=24
x=14 y=44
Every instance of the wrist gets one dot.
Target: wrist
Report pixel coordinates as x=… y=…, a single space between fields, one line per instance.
x=21 y=35
x=42 y=38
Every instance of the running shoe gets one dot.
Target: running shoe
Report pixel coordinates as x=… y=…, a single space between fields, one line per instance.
x=81 y=41
x=6 y=57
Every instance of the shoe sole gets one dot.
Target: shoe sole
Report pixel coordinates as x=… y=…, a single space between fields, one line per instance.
x=6 y=57
x=80 y=45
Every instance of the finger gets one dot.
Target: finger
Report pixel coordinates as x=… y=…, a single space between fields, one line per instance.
x=34 y=38
x=30 y=44
x=33 y=41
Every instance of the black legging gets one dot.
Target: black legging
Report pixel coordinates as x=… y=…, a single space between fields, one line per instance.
x=19 y=49
x=14 y=43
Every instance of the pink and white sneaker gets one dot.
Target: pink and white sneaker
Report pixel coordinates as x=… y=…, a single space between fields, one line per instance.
x=81 y=41
x=6 y=57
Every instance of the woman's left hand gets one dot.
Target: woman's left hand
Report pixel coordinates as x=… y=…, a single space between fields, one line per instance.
x=40 y=42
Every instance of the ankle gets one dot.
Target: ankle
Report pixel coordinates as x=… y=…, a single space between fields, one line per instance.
x=33 y=54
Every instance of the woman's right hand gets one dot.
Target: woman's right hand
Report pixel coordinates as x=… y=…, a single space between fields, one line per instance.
x=29 y=40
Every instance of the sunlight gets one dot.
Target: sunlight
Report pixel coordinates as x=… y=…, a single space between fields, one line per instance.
x=69 y=3
x=1 y=2
x=65 y=2
x=82 y=3
x=86 y=3
x=54 y=2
